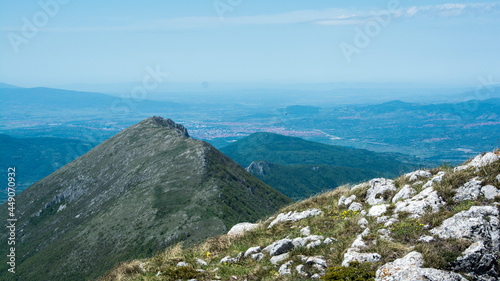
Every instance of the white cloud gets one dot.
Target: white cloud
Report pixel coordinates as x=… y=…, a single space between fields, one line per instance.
x=333 y=16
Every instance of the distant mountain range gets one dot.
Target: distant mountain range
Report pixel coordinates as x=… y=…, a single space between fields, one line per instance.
x=142 y=190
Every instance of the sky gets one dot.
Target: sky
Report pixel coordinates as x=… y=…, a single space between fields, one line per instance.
x=65 y=42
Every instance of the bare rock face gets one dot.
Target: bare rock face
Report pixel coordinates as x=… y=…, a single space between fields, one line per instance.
x=378 y=188
x=168 y=123
x=477 y=223
x=479 y=161
x=241 y=228
x=469 y=191
x=279 y=247
x=479 y=261
x=481 y=225
x=413 y=176
x=405 y=193
x=295 y=216
x=410 y=268
x=427 y=198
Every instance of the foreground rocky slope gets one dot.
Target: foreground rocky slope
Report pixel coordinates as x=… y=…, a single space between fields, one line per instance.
x=440 y=224
x=146 y=188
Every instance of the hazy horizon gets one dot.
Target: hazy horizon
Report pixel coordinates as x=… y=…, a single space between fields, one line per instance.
x=55 y=43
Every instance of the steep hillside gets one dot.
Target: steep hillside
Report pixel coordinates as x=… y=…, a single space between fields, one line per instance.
x=438 y=225
x=286 y=150
x=144 y=189
x=36 y=158
x=302 y=181
x=294 y=168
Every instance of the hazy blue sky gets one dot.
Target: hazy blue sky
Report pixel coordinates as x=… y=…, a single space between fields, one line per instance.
x=251 y=41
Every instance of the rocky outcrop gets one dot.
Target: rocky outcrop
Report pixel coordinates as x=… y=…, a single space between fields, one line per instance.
x=241 y=228
x=379 y=188
x=469 y=191
x=478 y=161
x=295 y=216
x=170 y=124
x=405 y=193
x=477 y=223
x=259 y=168
x=479 y=261
x=410 y=268
x=346 y=201
x=416 y=206
x=413 y=176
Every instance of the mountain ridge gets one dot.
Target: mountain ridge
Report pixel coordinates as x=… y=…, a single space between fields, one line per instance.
x=440 y=224
x=145 y=188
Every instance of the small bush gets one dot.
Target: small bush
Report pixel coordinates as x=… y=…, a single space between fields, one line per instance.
x=407 y=231
x=355 y=272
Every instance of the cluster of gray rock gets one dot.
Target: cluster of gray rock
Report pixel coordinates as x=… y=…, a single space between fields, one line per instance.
x=479 y=224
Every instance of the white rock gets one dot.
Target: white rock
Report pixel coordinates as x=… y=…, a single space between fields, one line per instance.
x=313 y=244
x=382 y=219
x=405 y=193
x=490 y=192
x=349 y=200
x=200 y=262
x=386 y=233
x=346 y=201
x=358 y=243
x=252 y=250
x=417 y=205
x=286 y=268
x=295 y=216
x=241 y=228
x=279 y=258
x=363 y=222
x=279 y=247
x=391 y=221
x=477 y=223
x=341 y=200
x=479 y=161
x=316 y=276
x=355 y=206
x=352 y=256
x=302 y=241
x=306 y=231
x=319 y=260
x=498 y=178
x=478 y=260
x=300 y=270
x=328 y=241
x=228 y=260
x=257 y=257
x=378 y=187
x=182 y=264
x=469 y=191
x=419 y=173
x=436 y=178
x=410 y=268
x=426 y=238
x=365 y=232
x=378 y=210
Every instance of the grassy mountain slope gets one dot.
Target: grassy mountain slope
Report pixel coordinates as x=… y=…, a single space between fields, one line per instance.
x=392 y=234
x=36 y=158
x=286 y=150
x=295 y=163
x=302 y=181
x=148 y=187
